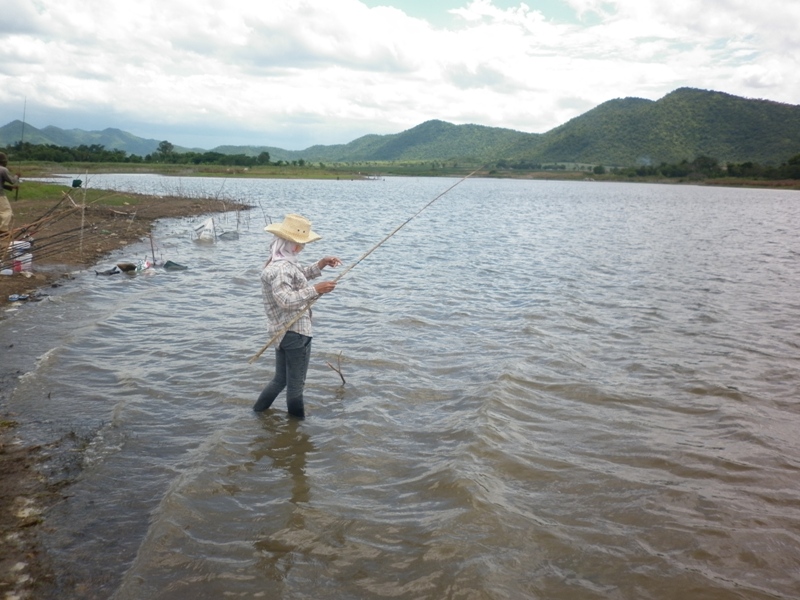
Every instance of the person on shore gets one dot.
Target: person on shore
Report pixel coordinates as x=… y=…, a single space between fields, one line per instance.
x=9 y=183
x=286 y=291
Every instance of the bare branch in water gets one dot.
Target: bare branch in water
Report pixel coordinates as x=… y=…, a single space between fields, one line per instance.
x=339 y=369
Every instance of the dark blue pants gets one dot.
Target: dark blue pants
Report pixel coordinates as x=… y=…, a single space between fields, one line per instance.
x=291 y=366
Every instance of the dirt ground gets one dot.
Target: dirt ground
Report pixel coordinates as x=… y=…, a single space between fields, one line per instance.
x=65 y=240
x=71 y=238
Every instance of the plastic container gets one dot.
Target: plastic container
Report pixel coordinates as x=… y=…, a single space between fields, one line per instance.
x=23 y=263
x=19 y=248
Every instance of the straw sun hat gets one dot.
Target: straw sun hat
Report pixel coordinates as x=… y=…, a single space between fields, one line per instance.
x=295 y=229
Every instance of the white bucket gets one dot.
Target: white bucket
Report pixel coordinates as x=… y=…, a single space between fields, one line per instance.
x=19 y=248
x=23 y=263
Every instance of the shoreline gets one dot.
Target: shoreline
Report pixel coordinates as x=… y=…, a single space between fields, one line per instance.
x=69 y=237
x=27 y=493
x=378 y=171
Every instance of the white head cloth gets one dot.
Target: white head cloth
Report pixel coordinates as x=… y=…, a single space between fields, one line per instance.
x=284 y=250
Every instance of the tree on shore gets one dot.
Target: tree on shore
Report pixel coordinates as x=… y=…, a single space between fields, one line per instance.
x=165 y=151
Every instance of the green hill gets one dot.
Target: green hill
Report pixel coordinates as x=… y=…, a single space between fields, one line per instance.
x=432 y=140
x=682 y=125
x=275 y=154
x=437 y=140
x=14 y=131
x=111 y=139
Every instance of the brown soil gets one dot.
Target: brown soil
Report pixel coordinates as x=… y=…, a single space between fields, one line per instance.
x=68 y=239
x=71 y=238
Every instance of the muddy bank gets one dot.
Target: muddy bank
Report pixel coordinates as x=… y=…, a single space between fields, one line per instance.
x=78 y=238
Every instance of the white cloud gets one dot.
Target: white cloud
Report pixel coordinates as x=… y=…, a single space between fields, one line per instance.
x=296 y=72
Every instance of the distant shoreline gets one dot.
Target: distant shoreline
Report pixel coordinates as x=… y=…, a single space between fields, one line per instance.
x=377 y=171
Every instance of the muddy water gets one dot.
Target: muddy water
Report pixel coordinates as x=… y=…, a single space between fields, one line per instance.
x=553 y=390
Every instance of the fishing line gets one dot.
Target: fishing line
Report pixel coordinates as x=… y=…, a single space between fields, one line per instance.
x=350 y=268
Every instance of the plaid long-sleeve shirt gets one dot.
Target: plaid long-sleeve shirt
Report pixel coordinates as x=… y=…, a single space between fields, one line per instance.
x=286 y=291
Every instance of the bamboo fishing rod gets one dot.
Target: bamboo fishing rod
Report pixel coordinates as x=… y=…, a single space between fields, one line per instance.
x=307 y=307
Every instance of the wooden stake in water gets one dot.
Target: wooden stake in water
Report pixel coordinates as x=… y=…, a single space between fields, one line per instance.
x=83 y=215
x=350 y=268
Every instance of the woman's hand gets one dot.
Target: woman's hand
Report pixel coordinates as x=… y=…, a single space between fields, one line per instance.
x=328 y=261
x=325 y=287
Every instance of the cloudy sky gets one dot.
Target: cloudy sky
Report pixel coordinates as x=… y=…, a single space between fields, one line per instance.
x=293 y=73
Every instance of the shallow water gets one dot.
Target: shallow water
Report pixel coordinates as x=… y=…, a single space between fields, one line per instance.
x=553 y=390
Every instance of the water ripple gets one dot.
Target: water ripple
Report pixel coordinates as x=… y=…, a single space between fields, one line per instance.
x=553 y=390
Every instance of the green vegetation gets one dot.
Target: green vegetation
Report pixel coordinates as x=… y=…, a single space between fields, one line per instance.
x=705 y=167
x=684 y=124
x=44 y=193
x=33 y=168
x=165 y=153
x=674 y=137
x=701 y=168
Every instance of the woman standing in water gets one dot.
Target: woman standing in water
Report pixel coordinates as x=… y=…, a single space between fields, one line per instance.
x=286 y=290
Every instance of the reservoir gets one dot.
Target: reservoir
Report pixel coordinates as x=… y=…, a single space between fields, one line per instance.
x=553 y=390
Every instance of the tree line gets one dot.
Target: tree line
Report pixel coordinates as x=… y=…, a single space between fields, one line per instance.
x=165 y=153
x=702 y=167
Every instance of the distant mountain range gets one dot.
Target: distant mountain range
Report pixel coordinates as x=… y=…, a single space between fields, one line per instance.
x=682 y=125
x=112 y=139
